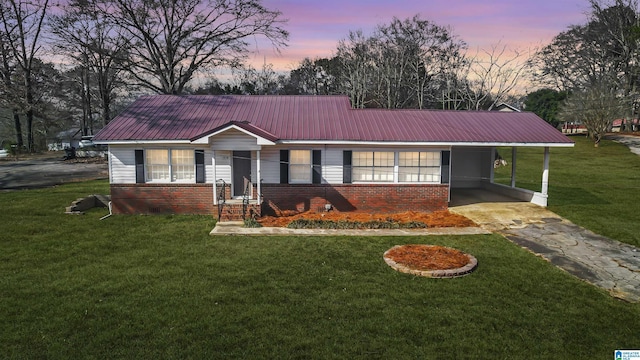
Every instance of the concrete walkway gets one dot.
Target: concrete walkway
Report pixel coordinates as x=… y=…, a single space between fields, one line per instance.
x=609 y=264
x=606 y=263
x=236 y=228
x=633 y=142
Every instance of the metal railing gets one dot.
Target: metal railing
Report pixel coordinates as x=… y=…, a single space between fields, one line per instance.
x=246 y=197
x=222 y=195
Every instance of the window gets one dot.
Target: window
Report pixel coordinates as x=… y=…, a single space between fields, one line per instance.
x=175 y=165
x=182 y=165
x=419 y=167
x=300 y=166
x=157 y=165
x=373 y=166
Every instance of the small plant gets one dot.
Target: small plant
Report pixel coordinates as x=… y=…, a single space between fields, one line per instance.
x=341 y=224
x=252 y=223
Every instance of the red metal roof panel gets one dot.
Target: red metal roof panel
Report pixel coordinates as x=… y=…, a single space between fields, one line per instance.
x=319 y=118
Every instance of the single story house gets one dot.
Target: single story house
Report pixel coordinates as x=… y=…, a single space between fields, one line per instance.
x=237 y=156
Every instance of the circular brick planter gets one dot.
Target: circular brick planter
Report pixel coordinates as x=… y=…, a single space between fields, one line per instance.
x=449 y=273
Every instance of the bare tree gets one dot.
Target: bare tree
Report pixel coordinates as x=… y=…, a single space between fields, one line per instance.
x=8 y=89
x=87 y=38
x=170 y=40
x=490 y=76
x=595 y=107
x=22 y=25
x=356 y=63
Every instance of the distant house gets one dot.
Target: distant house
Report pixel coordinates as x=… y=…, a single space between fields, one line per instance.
x=235 y=155
x=505 y=107
x=625 y=125
x=65 y=140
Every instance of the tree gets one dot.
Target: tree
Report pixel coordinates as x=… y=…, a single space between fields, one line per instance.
x=8 y=89
x=87 y=38
x=170 y=40
x=595 y=107
x=356 y=63
x=22 y=25
x=545 y=103
x=490 y=76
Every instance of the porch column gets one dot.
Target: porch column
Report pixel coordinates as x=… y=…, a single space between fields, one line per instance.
x=514 y=151
x=545 y=173
x=258 y=177
x=215 y=182
x=493 y=163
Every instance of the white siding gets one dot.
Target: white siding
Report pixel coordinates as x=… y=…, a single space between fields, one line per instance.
x=122 y=165
x=223 y=166
x=209 y=173
x=332 y=166
x=234 y=140
x=270 y=164
x=470 y=166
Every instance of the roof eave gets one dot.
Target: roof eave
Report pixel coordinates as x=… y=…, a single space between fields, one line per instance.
x=427 y=143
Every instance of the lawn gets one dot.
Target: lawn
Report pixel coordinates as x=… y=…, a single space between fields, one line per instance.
x=145 y=287
x=598 y=188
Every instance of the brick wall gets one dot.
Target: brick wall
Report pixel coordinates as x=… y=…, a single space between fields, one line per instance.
x=162 y=199
x=379 y=198
x=198 y=198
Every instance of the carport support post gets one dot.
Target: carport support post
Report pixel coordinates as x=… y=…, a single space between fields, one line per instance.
x=514 y=151
x=545 y=173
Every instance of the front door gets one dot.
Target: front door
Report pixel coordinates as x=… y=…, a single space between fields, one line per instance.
x=241 y=171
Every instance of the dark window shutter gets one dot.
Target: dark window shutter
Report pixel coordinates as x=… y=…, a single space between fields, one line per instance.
x=317 y=167
x=284 y=166
x=445 y=160
x=346 y=167
x=200 y=166
x=139 y=166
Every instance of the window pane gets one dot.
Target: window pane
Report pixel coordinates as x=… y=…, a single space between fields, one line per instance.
x=300 y=166
x=300 y=157
x=300 y=173
x=408 y=174
x=362 y=174
x=383 y=158
x=433 y=159
x=409 y=158
x=182 y=165
x=383 y=173
x=362 y=158
x=157 y=165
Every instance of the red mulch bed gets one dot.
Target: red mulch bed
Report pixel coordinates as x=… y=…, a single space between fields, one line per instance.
x=434 y=219
x=428 y=257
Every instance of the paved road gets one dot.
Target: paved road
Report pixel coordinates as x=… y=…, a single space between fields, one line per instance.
x=633 y=142
x=40 y=173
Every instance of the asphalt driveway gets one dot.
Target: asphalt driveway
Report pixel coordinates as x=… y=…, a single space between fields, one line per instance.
x=49 y=171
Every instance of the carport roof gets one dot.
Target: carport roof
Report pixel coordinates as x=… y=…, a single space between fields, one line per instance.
x=320 y=119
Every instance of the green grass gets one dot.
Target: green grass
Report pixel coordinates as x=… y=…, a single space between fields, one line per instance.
x=598 y=188
x=146 y=287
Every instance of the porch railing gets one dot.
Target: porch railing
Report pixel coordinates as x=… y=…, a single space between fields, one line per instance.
x=246 y=196
x=222 y=196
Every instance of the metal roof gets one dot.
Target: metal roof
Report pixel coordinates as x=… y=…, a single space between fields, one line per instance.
x=327 y=119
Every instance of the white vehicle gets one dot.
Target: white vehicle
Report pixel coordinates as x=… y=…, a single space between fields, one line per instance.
x=3 y=153
x=86 y=141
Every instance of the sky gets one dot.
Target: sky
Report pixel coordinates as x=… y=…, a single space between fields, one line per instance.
x=316 y=26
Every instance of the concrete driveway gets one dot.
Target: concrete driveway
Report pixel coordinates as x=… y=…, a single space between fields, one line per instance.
x=48 y=171
x=603 y=262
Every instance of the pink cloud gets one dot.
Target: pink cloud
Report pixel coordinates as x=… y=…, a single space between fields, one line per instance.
x=317 y=26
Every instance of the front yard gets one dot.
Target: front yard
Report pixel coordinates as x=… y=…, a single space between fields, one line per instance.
x=161 y=287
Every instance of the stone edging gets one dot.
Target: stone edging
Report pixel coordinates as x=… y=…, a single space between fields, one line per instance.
x=450 y=273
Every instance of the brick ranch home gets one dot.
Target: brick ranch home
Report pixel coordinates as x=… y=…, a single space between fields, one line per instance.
x=235 y=156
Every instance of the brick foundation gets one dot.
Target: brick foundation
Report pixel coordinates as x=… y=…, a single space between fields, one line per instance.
x=373 y=198
x=162 y=199
x=198 y=199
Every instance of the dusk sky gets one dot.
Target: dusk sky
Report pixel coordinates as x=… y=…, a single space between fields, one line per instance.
x=316 y=26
